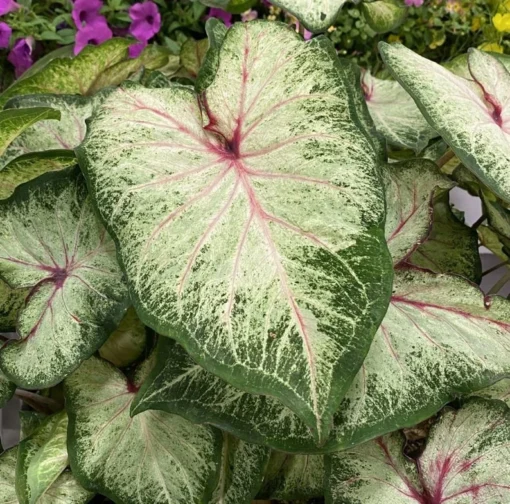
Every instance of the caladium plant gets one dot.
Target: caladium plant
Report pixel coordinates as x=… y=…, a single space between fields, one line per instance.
x=251 y=284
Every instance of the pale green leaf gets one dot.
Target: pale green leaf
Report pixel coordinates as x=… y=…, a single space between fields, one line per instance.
x=195 y=215
x=193 y=54
x=471 y=115
x=384 y=15
x=500 y=390
x=241 y=471
x=11 y=303
x=291 y=477
x=51 y=242
x=451 y=246
x=7 y=477
x=30 y=166
x=15 y=122
x=153 y=458
x=410 y=187
x=30 y=421
x=465 y=461
x=496 y=243
x=7 y=389
x=126 y=343
x=395 y=114
x=64 y=75
x=66 y=490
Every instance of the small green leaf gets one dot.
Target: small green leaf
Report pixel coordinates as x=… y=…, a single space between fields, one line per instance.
x=153 y=458
x=52 y=243
x=14 y=122
x=193 y=54
x=126 y=343
x=465 y=461
x=384 y=15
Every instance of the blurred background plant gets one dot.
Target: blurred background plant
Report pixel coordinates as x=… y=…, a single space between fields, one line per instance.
x=436 y=29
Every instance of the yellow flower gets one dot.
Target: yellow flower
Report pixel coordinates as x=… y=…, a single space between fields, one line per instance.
x=394 y=38
x=491 y=47
x=476 y=24
x=502 y=22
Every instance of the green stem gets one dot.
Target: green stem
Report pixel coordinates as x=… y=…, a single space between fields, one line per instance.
x=494 y=268
x=499 y=284
x=480 y=221
x=38 y=402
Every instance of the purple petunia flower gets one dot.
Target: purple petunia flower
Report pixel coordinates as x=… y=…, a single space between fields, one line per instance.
x=86 y=12
x=5 y=35
x=225 y=16
x=146 y=20
x=136 y=49
x=21 y=55
x=307 y=35
x=415 y=3
x=7 y=6
x=94 y=33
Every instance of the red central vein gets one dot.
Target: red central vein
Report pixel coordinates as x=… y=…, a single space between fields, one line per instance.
x=405 y=220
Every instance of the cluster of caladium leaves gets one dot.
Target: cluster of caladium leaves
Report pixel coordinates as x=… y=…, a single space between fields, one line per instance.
x=228 y=290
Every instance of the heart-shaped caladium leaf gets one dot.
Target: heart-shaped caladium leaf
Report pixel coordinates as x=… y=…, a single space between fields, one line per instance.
x=127 y=342
x=465 y=461
x=458 y=334
x=153 y=458
x=472 y=115
x=292 y=477
x=263 y=255
x=44 y=135
x=451 y=246
x=410 y=187
x=242 y=470
x=30 y=166
x=51 y=242
x=395 y=114
x=14 y=122
x=7 y=389
x=42 y=457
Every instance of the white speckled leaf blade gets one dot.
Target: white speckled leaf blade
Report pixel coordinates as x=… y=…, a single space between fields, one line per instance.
x=241 y=471
x=249 y=265
x=11 y=303
x=7 y=476
x=153 y=458
x=472 y=116
x=28 y=167
x=451 y=246
x=290 y=477
x=410 y=186
x=71 y=75
x=127 y=342
x=465 y=462
x=66 y=490
x=7 y=389
x=51 y=242
x=395 y=114
x=14 y=122
x=384 y=15
x=316 y=15
x=65 y=134
x=500 y=390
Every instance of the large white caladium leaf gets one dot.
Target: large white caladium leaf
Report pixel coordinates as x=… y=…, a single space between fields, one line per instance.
x=241 y=471
x=11 y=303
x=465 y=461
x=461 y=338
x=291 y=477
x=263 y=255
x=65 y=134
x=51 y=242
x=472 y=115
x=410 y=187
x=153 y=458
x=395 y=114
x=451 y=246
x=42 y=457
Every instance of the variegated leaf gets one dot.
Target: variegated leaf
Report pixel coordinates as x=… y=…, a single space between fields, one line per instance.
x=395 y=114
x=42 y=457
x=241 y=471
x=410 y=186
x=496 y=243
x=290 y=477
x=51 y=242
x=384 y=15
x=30 y=166
x=200 y=198
x=317 y=16
x=465 y=461
x=451 y=246
x=499 y=390
x=193 y=54
x=472 y=115
x=459 y=65
x=44 y=135
x=66 y=490
x=153 y=458
x=7 y=477
x=14 y=122
x=11 y=303
x=30 y=421
x=7 y=389
x=127 y=342
x=71 y=75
